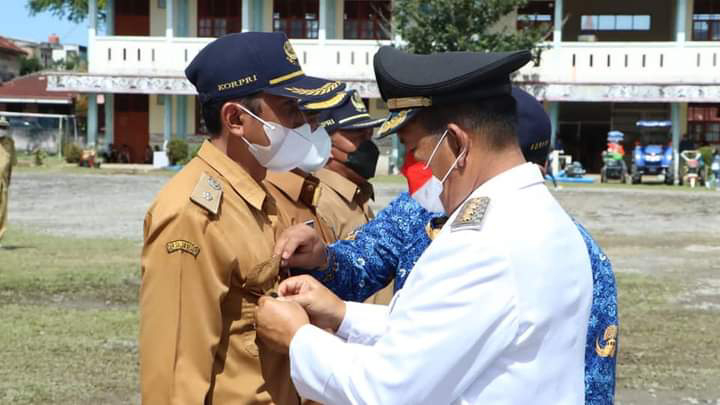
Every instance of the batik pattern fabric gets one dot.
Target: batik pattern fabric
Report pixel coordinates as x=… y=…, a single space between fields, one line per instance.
x=384 y=249
x=602 y=335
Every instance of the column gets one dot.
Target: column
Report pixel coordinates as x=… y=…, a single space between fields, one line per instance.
x=680 y=21
x=167 y=125
x=181 y=116
x=557 y=22
x=182 y=19
x=92 y=121
x=92 y=25
x=109 y=17
x=246 y=16
x=109 y=118
x=258 y=11
x=676 y=133
x=169 y=19
x=322 y=17
x=554 y=113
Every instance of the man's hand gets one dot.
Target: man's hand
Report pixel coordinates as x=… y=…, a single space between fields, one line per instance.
x=325 y=309
x=277 y=322
x=301 y=246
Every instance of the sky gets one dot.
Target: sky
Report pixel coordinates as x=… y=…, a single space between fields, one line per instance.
x=15 y=22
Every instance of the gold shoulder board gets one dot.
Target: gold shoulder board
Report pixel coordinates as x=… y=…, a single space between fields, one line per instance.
x=471 y=214
x=207 y=193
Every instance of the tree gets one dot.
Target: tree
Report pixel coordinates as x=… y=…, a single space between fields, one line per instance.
x=29 y=65
x=462 y=25
x=74 y=10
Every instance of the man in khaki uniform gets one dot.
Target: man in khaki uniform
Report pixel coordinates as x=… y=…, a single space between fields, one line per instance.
x=209 y=234
x=7 y=161
x=344 y=199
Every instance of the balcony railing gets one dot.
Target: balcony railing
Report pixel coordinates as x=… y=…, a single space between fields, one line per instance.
x=351 y=60
x=158 y=56
x=628 y=63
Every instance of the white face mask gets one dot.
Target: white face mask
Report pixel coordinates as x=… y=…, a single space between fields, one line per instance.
x=287 y=147
x=429 y=195
x=319 y=152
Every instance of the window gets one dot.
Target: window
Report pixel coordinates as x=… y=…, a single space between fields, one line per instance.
x=615 y=22
x=296 y=18
x=367 y=19
x=706 y=27
x=536 y=15
x=704 y=123
x=219 y=17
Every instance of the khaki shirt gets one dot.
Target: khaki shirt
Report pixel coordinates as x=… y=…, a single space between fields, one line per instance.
x=343 y=203
x=8 y=158
x=346 y=206
x=208 y=243
x=297 y=197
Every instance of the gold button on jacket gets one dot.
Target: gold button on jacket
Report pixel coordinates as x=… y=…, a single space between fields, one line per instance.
x=207 y=257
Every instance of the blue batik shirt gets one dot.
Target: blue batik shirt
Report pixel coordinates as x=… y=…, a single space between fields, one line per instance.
x=387 y=248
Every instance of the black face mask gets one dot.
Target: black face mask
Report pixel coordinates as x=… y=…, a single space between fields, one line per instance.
x=364 y=160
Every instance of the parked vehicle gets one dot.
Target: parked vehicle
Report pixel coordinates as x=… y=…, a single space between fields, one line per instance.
x=693 y=172
x=654 y=158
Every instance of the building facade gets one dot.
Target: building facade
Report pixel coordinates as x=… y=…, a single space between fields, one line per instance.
x=607 y=65
x=10 y=59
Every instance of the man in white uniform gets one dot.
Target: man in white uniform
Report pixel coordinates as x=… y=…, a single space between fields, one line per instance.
x=496 y=309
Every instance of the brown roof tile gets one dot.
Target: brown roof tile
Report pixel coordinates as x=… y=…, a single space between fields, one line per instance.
x=32 y=86
x=10 y=46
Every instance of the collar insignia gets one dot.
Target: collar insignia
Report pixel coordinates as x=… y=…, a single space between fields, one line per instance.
x=471 y=214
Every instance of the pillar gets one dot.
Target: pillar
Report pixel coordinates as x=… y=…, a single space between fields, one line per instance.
x=182 y=17
x=680 y=21
x=92 y=121
x=109 y=17
x=109 y=118
x=558 y=22
x=554 y=113
x=258 y=11
x=246 y=20
x=676 y=133
x=181 y=116
x=169 y=19
x=167 y=124
x=322 y=16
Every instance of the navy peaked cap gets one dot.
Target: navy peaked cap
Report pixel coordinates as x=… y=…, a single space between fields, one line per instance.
x=533 y=127
x=352 y=114
x=242 y=64
x=410 y=81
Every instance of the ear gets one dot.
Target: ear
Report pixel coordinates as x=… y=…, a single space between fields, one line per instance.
x=233 y=118
x=459 y=143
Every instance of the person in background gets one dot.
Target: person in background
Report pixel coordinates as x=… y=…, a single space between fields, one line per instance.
x=8 y=159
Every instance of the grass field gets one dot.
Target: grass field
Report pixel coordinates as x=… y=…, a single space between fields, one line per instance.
x=69 y=316
x=69 y=320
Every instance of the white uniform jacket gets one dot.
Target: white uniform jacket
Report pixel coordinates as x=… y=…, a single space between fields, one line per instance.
x=494 y=313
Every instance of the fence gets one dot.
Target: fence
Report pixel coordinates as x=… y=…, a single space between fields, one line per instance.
x=48 y=132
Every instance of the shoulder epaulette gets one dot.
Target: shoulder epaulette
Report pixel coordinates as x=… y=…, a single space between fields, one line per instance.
x=207 y=193
x=471 y=214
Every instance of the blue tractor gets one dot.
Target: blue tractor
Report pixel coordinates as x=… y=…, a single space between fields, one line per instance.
x=653 y=159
